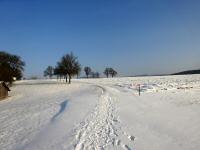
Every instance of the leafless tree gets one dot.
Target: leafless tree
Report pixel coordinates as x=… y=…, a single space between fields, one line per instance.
x=70 y=65
x=49 y=72
x=95 y=74
x=88 y=71
x=113 y=72
x=107 y=72
x=110 y=71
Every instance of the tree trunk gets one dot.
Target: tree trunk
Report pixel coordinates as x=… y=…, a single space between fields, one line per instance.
x=66 y=78
x=69 y=79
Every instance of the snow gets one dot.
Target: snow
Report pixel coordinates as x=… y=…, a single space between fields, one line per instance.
x=103 y=114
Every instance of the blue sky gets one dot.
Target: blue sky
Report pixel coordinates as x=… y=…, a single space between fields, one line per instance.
x=132 y=36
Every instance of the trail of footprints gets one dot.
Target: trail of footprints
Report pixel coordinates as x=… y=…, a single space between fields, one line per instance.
x=101 y=129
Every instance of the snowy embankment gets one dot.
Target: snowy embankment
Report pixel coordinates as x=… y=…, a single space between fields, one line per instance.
x=103 y=114
x=41 y=115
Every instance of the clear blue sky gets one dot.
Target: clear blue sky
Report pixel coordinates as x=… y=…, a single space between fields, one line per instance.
x=132 y=36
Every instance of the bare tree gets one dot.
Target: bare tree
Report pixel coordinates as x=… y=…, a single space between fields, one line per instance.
x=113 y=72
x=49 y=72
x=59 y=71
x=107 y=72
x=110 y=71
x=88 y=71
x=78 y=70
x=95 y=74
x=70 y=65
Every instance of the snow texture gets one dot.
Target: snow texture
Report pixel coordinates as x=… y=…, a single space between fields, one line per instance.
x=103 y=114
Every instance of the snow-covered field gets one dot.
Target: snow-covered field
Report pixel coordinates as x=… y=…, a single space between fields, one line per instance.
x=103 y=114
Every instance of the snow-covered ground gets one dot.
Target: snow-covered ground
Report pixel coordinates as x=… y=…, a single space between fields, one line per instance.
x=103 y=114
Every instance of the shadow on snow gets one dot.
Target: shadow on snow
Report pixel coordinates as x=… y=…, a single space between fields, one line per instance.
x=63 y=106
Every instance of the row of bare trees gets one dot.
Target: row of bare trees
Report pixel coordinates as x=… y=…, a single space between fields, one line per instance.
x=110 y=71
x=69 y=66
x=89 y=72
x=107 y=72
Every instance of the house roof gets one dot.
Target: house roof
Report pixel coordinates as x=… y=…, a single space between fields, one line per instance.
x=5 y=85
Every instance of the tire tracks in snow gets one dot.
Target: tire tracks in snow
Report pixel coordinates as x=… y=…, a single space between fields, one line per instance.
x=102 y=129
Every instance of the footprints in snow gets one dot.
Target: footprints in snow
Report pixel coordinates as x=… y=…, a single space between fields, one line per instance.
x=132 y=138
x=126 y=147
x=101 y=129
x=120 y=143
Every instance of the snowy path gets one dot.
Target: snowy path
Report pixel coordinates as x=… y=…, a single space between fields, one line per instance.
x=102 y=114
x=158 y=119
x=102 y=129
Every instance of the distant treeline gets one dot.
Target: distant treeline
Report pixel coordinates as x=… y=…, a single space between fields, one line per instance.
x=188 y=72
x=69 y=66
